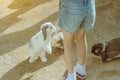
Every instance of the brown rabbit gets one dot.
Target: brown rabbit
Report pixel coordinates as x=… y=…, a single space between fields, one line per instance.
x=108 y=50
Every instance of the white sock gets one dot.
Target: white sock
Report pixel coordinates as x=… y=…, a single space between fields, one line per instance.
x=80 y=69
x=71 y=76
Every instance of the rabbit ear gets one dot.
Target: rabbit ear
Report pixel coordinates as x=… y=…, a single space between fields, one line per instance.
x=44 y=32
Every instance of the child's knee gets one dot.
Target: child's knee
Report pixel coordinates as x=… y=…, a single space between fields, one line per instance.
x=68 y=39
x=69 y=42
x=80 y=35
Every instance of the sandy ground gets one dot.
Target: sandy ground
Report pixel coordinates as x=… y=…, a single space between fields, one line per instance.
x=21 y=19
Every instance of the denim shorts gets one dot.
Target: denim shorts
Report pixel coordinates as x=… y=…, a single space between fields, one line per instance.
x=76 y=14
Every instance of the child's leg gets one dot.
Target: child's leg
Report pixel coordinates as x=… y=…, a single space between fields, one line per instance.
x=68 y=53
x=81 y=50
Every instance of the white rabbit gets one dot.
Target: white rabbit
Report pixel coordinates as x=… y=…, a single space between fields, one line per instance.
x=57 y=40
x=40 y=43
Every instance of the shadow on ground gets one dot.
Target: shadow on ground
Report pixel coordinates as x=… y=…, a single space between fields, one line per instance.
x=25 y=67
x=22 y=6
